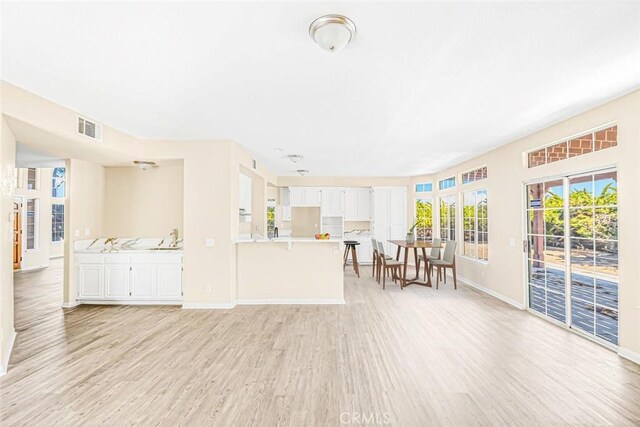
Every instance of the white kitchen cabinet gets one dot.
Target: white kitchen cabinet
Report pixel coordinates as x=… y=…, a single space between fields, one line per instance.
x=365 y=250
x=286 y=213
x=389 y=215
x=169 y=282
x=90 y=280
x=116 y=281
x=244 y=196
x=143 y=282
x=332 y=202
x=285 y=204
x=357 y=204
x=144 y=278
x=300 y=197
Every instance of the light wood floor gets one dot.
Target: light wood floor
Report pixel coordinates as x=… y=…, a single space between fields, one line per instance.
x=413 y=357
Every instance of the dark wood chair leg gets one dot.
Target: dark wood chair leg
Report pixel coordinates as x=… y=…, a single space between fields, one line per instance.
x=384 y=278
x=354 y=259
x=455 y=280
x=345 y=256
x=438 y=277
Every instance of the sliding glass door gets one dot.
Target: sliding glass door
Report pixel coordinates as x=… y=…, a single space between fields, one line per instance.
x=572 y=253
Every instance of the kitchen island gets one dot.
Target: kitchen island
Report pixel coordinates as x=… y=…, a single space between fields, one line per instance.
x=289 y=271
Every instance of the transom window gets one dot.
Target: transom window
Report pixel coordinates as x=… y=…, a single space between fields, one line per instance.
x=424 y=219
x=32 y=175
x=589 y=142
x=447 y=183
x=424 y=187
x=448 y=217
x=58 y=183
x=32 y=217
x=474 y=175
x=475 y=227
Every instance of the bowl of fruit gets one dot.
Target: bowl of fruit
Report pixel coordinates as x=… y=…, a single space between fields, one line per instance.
x=322 y=236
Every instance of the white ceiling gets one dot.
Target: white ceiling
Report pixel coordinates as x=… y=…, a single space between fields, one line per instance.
x=421 y=87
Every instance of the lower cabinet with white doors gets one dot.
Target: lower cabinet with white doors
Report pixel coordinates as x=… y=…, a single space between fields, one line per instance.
x=129 y=278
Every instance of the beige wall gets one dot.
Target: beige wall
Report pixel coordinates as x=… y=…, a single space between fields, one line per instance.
x=7 y=162
x=85 y=214
x=144 y=203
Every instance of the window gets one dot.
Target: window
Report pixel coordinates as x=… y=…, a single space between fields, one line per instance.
x=424 y=187
x=448 y=218
x=31 y=178
x=32 y=216
x=447 y=183
x=58 y=182
x=474 y=224
x=424 y=219
x=57 y=222
x=474 y=175
x=589 y=142
x=271 y=216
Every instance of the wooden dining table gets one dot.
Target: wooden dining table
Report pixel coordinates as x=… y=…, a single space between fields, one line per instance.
x=418 y=244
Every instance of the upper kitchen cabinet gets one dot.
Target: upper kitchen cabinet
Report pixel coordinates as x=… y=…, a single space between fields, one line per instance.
x=244 y=196
x=301 y=197
x=332 y=202
x=357 y=204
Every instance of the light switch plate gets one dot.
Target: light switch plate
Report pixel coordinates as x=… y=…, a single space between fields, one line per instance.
x=512 y=242
x=87 y=232
x=209 y=243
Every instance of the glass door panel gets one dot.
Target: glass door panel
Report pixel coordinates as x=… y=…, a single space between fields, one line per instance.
x=573 y=250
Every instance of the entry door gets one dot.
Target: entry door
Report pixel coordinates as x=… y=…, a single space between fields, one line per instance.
x=17 y=236
x=572 y=257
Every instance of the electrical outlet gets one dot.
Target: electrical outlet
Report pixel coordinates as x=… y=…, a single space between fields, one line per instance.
x=512 y=242
x=209 y=288
x=209 y=243
x=76 y=233
x=87 y=232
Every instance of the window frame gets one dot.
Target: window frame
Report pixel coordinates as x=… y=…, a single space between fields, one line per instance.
x=474 y=170
x=36 y=224
x=53 y=223
x=36 y=176
x=566 y=140
x=476 y=231
x=415 y=213
x=441 y=198
x=424 y=184
x=452 y=177
x=62 y=182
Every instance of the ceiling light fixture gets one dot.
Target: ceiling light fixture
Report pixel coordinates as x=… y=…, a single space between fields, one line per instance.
x=332 y=32
x=144 y=165
x=302 y=172
x=295 y=158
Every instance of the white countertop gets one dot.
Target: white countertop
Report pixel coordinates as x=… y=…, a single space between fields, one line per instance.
x=291 y=240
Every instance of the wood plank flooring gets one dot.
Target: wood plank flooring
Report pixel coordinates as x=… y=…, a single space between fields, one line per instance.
x=414 y=357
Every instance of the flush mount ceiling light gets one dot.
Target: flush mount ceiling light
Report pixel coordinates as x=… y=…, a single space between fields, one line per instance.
x=302 y=172
x=295 y=157
x=144 y=165
x=332 y=32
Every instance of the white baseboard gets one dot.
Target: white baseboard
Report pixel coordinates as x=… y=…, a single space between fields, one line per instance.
x=491 y=292
x=6 y=354
x=629 y=355
x=70 y=304
x=35 y=267
x=128 y=302
x=290 y=301
x=199 y=306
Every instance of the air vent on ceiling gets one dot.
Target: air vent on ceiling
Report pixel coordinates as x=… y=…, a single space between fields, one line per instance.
x=88 y=128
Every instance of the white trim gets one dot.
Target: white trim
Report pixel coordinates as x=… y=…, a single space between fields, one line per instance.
x=35 y=267
x=6 y=354
x=629 y=355
x=570 y=137
x=205 y=306
x=290 y=301
x=491 y=292
x=128 y=302
x=70 y=304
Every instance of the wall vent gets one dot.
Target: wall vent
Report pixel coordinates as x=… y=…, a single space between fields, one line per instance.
x=255 y=163
x=89 y=128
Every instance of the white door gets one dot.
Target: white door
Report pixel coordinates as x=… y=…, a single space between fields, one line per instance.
x=116 y=281
x=90 y=281
x=143 y=282
x=169 y=280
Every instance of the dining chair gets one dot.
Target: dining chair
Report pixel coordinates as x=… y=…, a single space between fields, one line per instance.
x=387 y=264
x=448 y=261
x=374 y=245
x=432 y=256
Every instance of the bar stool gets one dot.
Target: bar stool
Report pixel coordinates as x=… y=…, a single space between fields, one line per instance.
x=350 y=245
